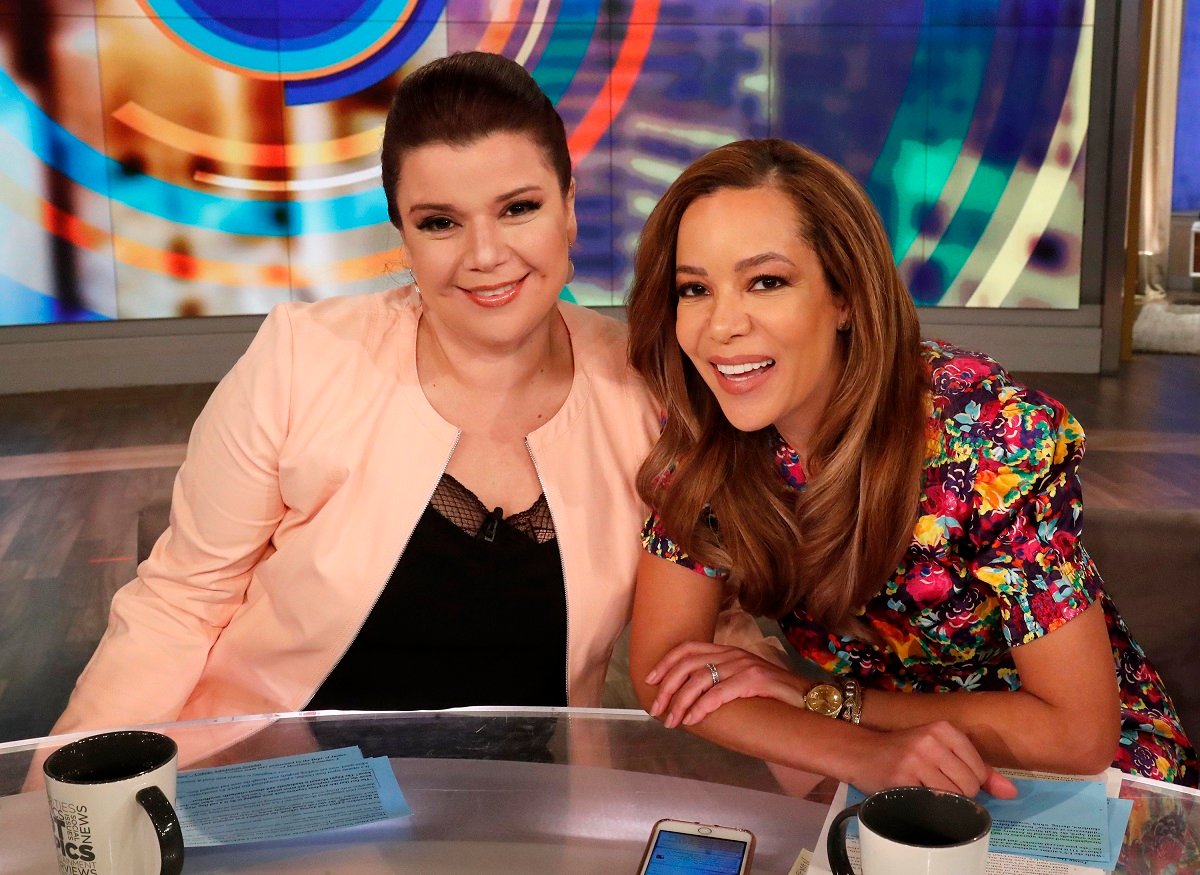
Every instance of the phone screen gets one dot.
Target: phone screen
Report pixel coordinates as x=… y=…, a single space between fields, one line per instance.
x=677 y=853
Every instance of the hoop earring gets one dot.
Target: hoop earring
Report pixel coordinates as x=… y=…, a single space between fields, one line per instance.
x=570 y=271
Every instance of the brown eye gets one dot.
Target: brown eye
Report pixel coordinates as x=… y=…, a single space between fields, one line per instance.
x=523 y=208
x=435 y=223
x=768 y=282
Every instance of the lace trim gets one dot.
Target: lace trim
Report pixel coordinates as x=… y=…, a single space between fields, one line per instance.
x=459 y=505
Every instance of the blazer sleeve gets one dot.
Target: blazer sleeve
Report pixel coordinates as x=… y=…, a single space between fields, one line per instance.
x=225 y=508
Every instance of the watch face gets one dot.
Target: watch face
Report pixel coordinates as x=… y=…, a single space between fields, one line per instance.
x=824 y=699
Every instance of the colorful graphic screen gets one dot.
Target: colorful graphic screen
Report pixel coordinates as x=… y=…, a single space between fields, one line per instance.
x=1185 y=190
x=168 y=158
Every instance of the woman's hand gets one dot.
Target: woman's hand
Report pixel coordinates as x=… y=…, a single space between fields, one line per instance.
x=933 y=755
x=687 y=694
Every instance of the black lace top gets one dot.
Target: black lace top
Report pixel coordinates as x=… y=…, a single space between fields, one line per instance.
x=474 y=614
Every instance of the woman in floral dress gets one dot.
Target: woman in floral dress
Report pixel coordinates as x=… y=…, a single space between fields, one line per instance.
x=909 y=512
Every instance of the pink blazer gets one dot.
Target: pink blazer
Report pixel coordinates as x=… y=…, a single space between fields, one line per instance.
x=305 y=476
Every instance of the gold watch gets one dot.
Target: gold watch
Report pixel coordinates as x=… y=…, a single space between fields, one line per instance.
x=825 y=699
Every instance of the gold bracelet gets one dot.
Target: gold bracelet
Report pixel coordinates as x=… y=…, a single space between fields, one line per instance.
x=852 y=693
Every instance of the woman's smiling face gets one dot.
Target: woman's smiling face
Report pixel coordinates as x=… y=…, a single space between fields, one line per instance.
x=487 y=229
x=756 y=315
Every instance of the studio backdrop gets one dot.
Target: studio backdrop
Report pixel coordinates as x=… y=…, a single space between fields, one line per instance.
x=167 y=158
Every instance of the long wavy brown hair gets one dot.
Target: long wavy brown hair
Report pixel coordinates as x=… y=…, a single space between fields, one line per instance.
x=832 y=547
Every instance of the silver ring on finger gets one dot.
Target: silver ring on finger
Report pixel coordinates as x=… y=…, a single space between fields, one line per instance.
x=712 y=670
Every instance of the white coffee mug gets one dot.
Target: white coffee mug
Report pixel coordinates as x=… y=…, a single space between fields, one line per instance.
x=913 y=829
x=111 y=805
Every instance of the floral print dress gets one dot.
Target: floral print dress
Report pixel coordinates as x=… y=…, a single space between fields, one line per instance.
x=995 y=562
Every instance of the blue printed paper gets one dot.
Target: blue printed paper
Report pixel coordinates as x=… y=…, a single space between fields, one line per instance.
x=1118 y=820
x=1054 y=820
x=287 y=796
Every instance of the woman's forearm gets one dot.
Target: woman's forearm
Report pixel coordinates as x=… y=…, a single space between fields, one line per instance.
x=780 y=733
x=1011 y=729
x=766 y=728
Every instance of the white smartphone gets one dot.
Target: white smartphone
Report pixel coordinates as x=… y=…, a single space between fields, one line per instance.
x=680 y=847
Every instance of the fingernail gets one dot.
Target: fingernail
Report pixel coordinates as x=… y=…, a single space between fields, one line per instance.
x=670 y=722
x=655 y=707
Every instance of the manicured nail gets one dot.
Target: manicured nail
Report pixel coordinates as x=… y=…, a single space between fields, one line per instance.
x=652 y=678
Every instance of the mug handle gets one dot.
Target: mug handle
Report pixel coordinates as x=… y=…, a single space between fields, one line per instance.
x=166 y=827
x=835 y=842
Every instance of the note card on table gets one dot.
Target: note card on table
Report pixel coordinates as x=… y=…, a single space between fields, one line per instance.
x=287 y=796
x=1069 y=821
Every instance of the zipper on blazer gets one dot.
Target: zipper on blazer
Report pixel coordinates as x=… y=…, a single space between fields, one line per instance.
x=395 y=565
x=562 y=563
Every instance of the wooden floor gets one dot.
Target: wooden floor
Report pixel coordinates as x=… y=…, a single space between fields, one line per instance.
x=77 y=467
x=1143 y=431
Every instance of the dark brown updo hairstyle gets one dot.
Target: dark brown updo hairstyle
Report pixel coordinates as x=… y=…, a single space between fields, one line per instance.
x=834 y=546
x=463 y=98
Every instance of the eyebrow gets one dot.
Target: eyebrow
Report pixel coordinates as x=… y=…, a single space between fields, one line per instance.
x=449 y=208
x=752 y=261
